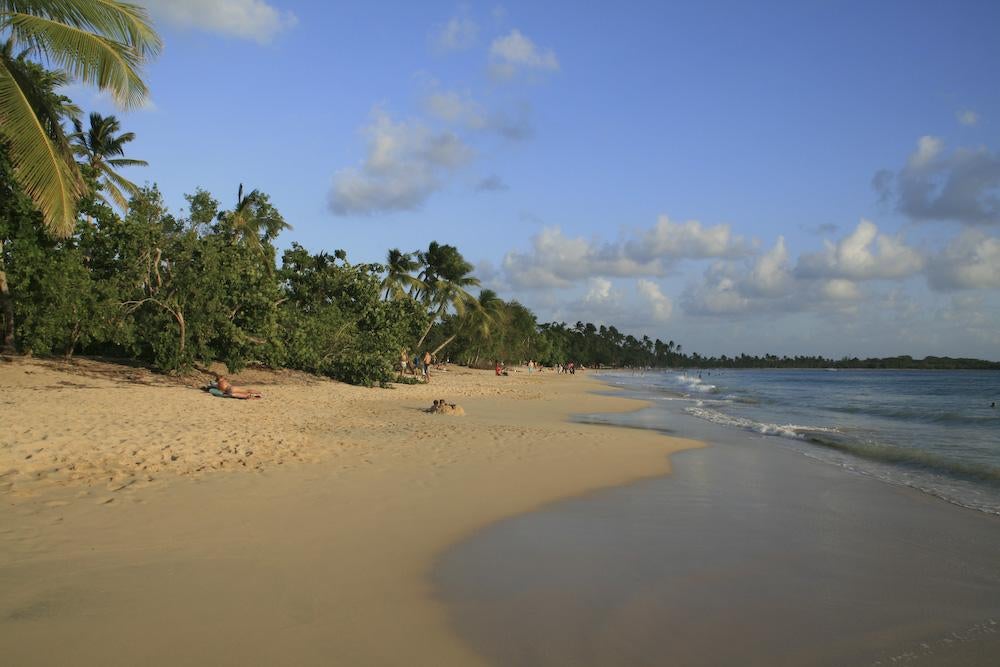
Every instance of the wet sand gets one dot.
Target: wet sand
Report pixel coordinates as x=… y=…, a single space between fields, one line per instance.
x=748 y=554
x=145 y=522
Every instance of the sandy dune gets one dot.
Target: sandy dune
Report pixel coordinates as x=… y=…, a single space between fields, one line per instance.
x=144 y=521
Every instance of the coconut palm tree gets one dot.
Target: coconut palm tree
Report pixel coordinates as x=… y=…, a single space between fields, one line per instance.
x=446 y=275
x=480 y=321
x=99 y=42
x=398 y=279
x=253 y=220
x=39 y=86
x=98 y=146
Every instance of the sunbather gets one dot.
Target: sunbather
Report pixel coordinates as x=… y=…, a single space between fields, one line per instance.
x=226 y=387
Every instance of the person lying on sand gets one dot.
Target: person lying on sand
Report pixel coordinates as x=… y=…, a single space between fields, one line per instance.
x=228 y=390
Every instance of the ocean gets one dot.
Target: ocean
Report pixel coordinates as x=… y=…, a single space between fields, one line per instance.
x=835 y=518
x=934 y=431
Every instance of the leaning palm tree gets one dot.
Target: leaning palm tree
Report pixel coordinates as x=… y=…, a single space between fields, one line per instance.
x=98 y=146
x=100 y=42
x=399 y=279
x=446 y=276
x=480 y=322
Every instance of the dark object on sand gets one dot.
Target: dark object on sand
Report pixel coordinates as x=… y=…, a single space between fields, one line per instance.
x=442 y=407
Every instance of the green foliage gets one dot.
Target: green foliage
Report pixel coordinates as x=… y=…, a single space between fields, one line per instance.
x=100 y=42
x=335 y=323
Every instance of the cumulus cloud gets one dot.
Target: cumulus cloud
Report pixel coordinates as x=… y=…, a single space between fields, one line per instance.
x=406 y=163
x=457 y=34
x=462 y=111
x=660 y=306
x=970 y=261
x=599 y=291
x=456 y=108
x=718 y=294
x=729 y=287
x=686 y=239
x=556 y=260
x=865 y=254
x=840 y=289
x=967 y=117
x=246 y=19
x=963 y=186
x=515 y=51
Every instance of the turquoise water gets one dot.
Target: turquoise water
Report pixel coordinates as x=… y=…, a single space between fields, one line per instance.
x=931 y=430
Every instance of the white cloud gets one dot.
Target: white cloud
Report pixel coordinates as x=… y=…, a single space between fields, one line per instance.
x=246 y=19
x=461 y=110
x=963 y=186
x=967 y=117
x=687 y=239
x=516 y=51
x=660 y=306
x=556 y=260
x=770 y=275
x=406 y=163
x=728 y=287
x=457 y=34
x=970 y=261
x=862 y=255
x=928 y=149
x=599 y=291
x=453 y=107
x=840 y=289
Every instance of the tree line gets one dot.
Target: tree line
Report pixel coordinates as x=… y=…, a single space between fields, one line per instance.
x=91 y=263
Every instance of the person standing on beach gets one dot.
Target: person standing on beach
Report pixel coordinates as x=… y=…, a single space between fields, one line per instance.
x=427 y=366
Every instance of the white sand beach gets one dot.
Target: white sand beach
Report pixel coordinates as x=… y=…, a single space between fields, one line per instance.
x=145 y=521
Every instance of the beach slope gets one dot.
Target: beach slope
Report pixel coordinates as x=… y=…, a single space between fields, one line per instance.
x=144 y=521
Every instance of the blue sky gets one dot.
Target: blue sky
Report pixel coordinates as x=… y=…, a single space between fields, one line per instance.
x=796 y=177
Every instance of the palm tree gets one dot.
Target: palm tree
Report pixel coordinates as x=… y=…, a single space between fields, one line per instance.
x=446 y=275
x=100 y=42
x=481 y=321
x=39 y=86
x=253 y=220
x=398 y=279
x=97 y=146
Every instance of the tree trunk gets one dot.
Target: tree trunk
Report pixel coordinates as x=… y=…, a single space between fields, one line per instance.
x=426 y=331
x=180 y=320
x=6 y=310
x=441 y=346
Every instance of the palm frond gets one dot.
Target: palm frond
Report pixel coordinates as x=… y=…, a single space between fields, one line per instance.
x=87 y=56
x=121 y=21
x=126 y=162
x=43 y=169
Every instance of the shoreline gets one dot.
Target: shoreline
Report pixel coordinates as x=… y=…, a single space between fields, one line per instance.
x=295 y=562
x=790 y=559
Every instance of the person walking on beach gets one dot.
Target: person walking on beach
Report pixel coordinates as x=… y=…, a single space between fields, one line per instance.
x=427 y=366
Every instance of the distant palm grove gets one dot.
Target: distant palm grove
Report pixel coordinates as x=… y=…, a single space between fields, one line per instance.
x=91 y=263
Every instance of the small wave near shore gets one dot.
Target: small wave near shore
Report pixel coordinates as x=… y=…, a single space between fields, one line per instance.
x=932 y=431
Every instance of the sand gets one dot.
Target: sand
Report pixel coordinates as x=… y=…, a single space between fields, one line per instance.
x=144 y=521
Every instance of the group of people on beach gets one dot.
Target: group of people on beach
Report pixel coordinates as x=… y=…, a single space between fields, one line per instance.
x=500 y=367
x=421 y=363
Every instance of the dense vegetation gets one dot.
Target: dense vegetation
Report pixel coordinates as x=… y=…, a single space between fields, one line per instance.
x=91 y=263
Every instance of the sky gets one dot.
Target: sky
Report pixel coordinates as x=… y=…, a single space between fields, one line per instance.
x=812 y=177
